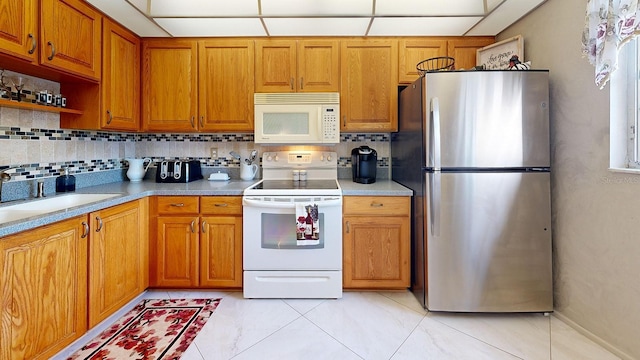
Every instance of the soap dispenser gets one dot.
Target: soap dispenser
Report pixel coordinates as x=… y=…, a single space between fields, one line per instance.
x=65 y=182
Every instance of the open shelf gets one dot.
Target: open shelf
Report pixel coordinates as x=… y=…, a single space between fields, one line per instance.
x=31 y=106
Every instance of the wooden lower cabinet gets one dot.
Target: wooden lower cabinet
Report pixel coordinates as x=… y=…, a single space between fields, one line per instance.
x=197 y=243
x=376 y=244
x=43 y=289
x=117 y=257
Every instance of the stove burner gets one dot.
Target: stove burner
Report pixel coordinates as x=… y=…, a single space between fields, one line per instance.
x=290 y=184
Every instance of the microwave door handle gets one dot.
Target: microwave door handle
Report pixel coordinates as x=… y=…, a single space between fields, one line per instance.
x=289 y=205
x=320 y=124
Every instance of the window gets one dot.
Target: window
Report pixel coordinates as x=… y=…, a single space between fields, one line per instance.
x=625 y=112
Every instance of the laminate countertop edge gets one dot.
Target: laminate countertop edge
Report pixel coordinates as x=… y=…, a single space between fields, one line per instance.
x=128 y=191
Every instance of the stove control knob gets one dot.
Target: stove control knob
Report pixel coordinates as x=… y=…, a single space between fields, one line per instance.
x=269 y=158
x=275 y=158
x=329 y=158
x=322 y=157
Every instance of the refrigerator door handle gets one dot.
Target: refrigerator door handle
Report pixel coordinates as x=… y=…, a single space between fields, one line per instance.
x=436 y=189
x=435 y=118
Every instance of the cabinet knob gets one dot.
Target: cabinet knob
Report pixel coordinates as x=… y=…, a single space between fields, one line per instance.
x=193 y=226
x=204 y=226
x=201 y=121
x=110 y=117
x=221 y=205
x=193 y=123
x=178 y=204
x=291 y=83
x=348 y=227
x=376 y=205
x=301 y=83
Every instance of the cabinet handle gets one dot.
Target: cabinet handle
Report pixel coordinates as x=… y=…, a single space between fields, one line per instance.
x=85 y=229
x=348 y=227
x=193 y=124
x=53 y=50
x=110 y=117
x=301 y=83
x=291 y=82
x=344 y=120
x=99 y=223
x=376 y=205
x=204 y=224
x=178 y=204
x=193 y=226
x=221 y=205
x=201 y=121
x=33 y=43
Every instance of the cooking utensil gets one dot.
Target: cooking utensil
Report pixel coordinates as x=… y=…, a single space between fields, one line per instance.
x=252 y=158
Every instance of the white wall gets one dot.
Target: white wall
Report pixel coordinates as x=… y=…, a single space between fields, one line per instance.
x=596 y=213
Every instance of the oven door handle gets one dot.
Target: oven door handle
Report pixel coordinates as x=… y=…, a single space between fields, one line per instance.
x=289 y=205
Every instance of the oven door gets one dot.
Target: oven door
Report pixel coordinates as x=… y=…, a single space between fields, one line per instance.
x=269 y=234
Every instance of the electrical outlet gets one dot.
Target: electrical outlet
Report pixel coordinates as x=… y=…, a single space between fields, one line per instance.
x=214 y=153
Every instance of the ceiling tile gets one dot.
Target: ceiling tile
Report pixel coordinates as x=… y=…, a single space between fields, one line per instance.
x=317 y=26
x=201 y=27
x=316 y=7
x=503 y=16
x=129 y=16
x=140 y=4
x=202 y=8
x=492 y=4
x=422 y=26
x=430 y=7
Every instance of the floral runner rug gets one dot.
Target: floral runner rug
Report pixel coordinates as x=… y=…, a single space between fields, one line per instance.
x=153 y=329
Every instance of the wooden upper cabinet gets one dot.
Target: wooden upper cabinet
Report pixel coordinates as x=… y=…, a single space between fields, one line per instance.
x=414 y=51
x=297 y=66
x=120 y=78
x=70 y=37
x=169 y=85
x=319 y=65
x=369 y=85
x=19 y=28
x=463 y=50
x=226 y=85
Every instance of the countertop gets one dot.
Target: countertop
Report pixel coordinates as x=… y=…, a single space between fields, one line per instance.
x=128 y=191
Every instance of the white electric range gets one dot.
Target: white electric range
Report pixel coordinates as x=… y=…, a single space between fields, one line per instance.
x=292 y=229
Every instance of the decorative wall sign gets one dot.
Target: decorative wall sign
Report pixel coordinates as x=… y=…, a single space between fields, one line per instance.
x=496 y=56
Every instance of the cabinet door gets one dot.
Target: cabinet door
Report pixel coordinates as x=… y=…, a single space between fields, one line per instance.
x=275 y=66
x=116 y=249
x=120 y=78
x=221 y=252
x=414 y=51
x=169 y=85
x=226 y=85
x=177 y=251
x=70 y=37
x=43 y=290
x=376 y=252
x=18 y=28
x=318 y=66
x=463 y=50
x=369 y=85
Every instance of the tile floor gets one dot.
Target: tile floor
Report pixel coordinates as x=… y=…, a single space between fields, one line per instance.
x=367 y=325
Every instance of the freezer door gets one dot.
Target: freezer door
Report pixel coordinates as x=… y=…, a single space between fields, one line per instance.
x=488 y=242
x=495 y=119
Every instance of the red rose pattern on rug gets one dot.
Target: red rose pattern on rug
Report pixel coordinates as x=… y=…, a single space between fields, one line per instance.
x=153 y=329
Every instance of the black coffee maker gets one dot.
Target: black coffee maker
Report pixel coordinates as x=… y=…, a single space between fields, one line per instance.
x=363 y=164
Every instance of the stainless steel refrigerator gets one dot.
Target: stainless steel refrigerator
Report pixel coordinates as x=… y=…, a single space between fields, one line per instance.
x=474 y=148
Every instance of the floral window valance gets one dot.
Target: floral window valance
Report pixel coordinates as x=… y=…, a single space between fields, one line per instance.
x=609 y=24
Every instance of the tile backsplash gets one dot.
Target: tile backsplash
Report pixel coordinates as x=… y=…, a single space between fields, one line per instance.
x=33 y=143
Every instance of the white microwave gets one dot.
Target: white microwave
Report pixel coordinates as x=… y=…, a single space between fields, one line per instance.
x=297 y=118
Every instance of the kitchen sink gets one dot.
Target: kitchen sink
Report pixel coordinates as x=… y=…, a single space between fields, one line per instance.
x=37 y=207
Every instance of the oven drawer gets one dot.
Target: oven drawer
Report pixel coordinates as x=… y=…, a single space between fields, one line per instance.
x=221 y=205
x=178 y=204
x=378 y=205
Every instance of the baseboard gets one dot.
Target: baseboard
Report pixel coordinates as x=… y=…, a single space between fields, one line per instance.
x=591 y=336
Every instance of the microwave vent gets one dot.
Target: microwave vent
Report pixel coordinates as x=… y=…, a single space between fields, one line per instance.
x=296 y=98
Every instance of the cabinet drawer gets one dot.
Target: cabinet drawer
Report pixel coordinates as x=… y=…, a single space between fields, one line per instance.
x=178 y=205
x=226 y=205
x=377 y=205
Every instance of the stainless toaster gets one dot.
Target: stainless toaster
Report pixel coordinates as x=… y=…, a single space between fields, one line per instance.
x=178 y=171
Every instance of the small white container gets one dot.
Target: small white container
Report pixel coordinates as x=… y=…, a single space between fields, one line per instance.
x=296 y=175
x=303 y=175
